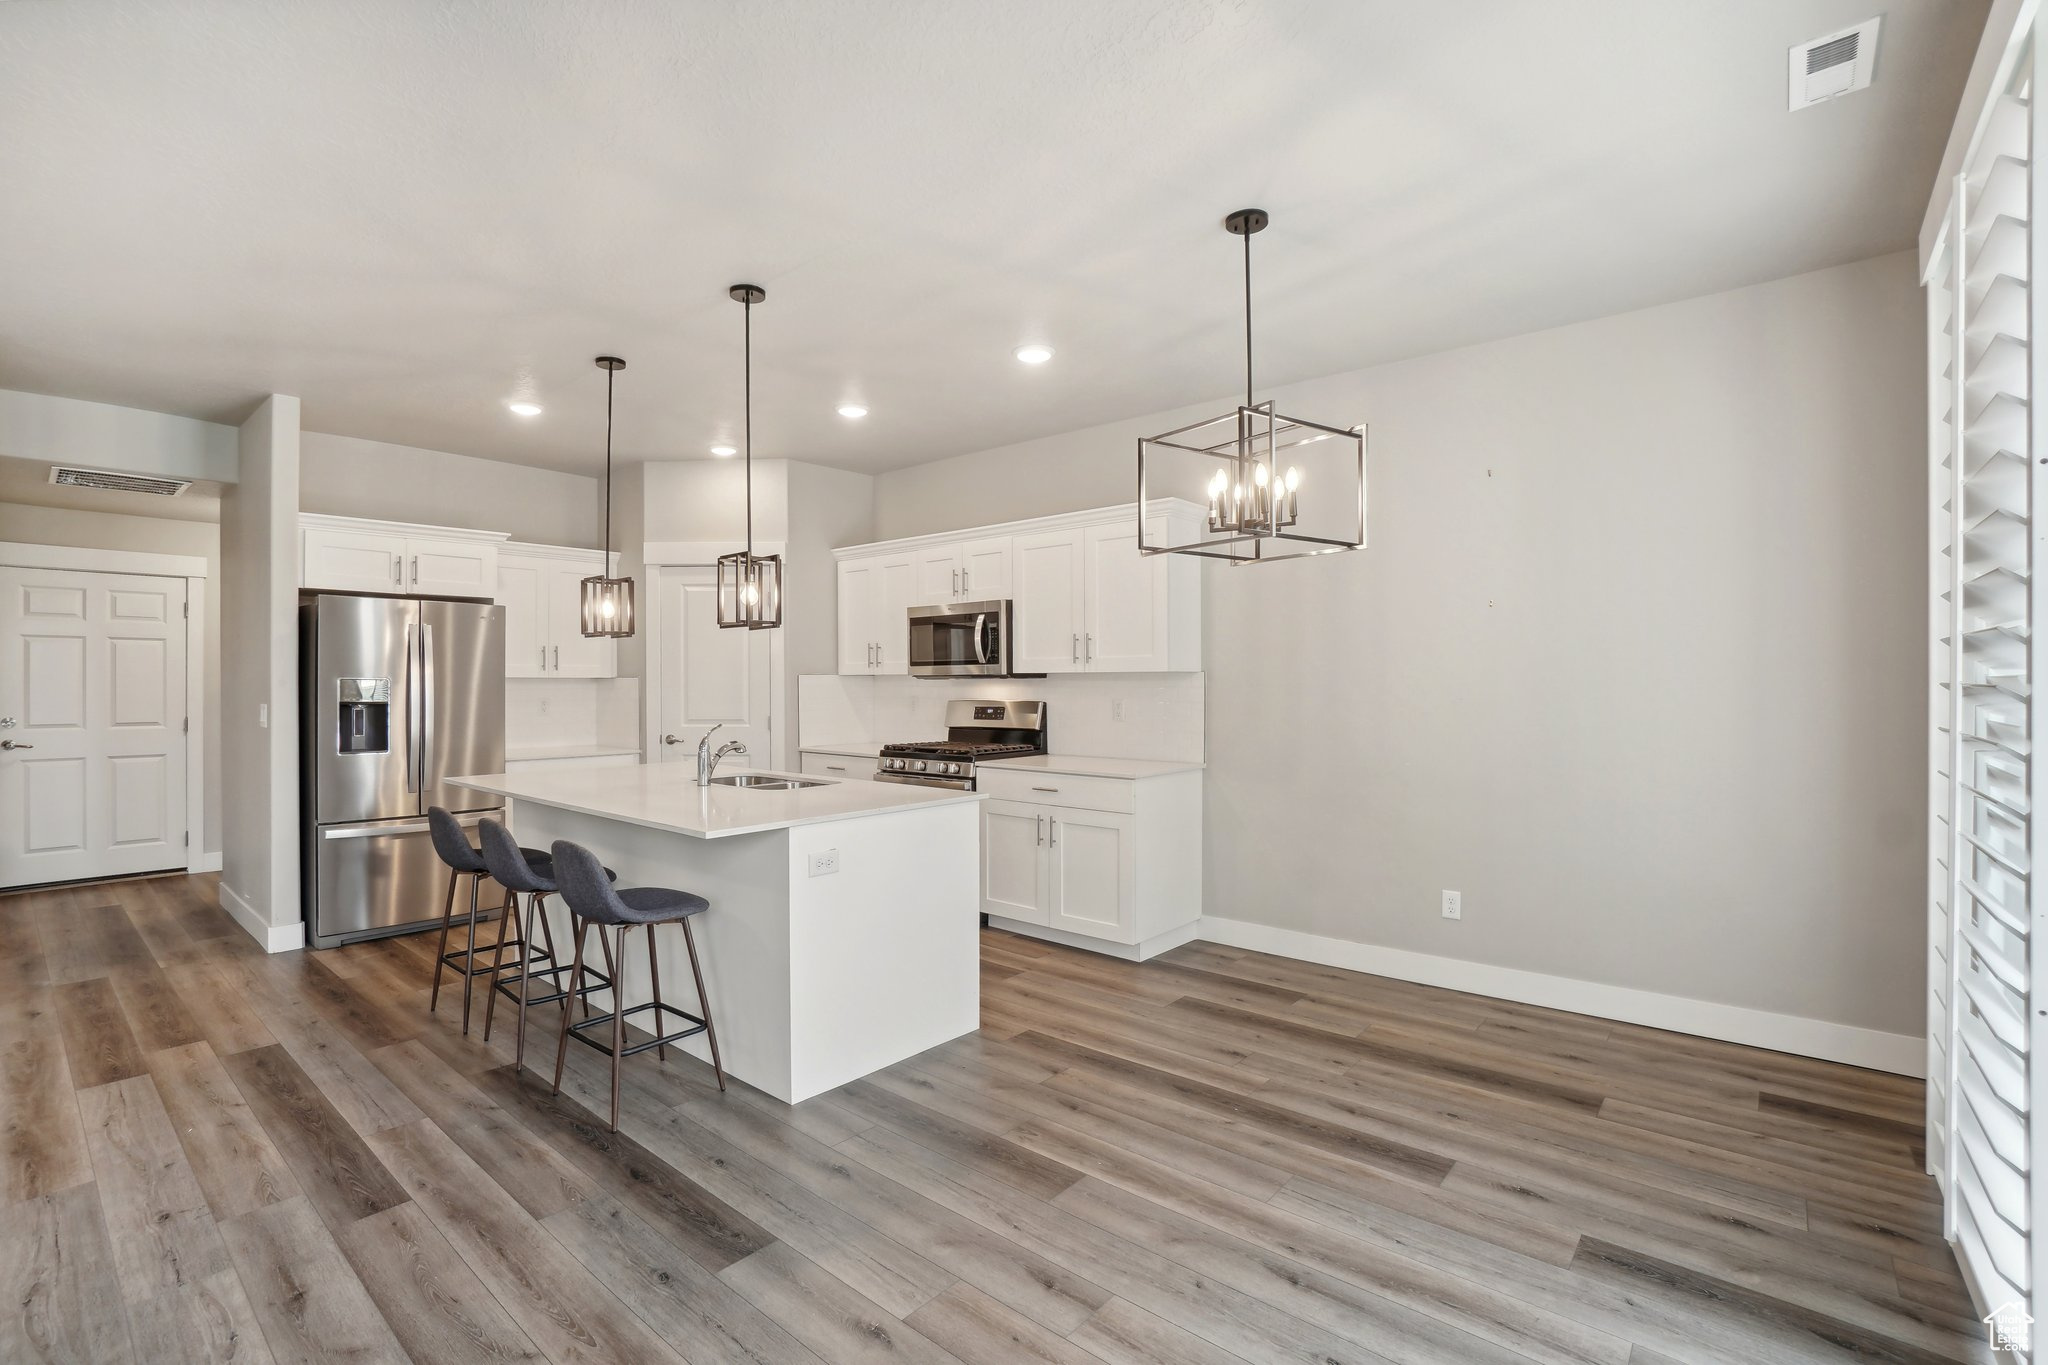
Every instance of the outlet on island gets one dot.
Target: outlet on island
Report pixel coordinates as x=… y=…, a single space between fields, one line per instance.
x=1454 y=905
x=826 y=863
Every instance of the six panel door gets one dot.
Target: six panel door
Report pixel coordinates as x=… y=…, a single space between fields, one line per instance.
x=92 y=675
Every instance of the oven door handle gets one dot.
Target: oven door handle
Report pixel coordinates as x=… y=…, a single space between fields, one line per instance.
x=980 y=638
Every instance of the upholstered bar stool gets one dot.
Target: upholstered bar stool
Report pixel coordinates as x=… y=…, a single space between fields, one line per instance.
x=594 y=901
x=464 y=860
x=510 y=867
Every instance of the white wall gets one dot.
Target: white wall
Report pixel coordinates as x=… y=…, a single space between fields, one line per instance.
x=36 y=426
x=827 y=508
x=148 y=535
x=1634 y=660
x=259 y=668
x=346 y=476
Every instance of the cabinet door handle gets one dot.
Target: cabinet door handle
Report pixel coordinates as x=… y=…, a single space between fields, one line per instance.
x=835 y=767
x=415 y=568
x=1038 y=824
x=558 y=658
x=1045 y=789
x=398 y=572
x=1077 y=649
x=956 y=582
x=1052 y=824
x=1088 y=654
x=543 y=658
x=966 y=584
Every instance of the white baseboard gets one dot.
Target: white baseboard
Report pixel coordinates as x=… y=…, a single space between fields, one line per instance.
x=1900 y=1053
x=275 y=938
x=204 y=862
x=1129 y=952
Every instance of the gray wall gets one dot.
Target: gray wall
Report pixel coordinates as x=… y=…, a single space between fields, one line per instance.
x=1634 y=661
x=346 y=476
x=147 y=535
x=827 y=508
x=259 y=666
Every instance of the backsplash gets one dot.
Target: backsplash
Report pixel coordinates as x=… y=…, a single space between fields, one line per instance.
x=1129 y=715
x=547 y=712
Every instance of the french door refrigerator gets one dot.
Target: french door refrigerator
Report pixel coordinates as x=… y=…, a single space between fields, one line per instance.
x=396 y=695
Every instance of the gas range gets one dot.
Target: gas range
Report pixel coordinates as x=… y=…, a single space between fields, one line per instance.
x=976 y=731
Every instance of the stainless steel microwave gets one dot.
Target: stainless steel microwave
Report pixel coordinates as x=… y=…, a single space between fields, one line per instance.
x=960 y=640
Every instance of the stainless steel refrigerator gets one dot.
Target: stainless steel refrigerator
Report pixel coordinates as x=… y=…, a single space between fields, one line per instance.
x=396 y=695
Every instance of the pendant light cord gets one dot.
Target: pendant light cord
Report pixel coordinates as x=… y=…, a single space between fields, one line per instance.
x=748 y=383
x=1247 y=319
x=609 y=375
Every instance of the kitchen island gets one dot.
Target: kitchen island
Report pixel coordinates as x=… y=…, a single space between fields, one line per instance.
x=843 y=930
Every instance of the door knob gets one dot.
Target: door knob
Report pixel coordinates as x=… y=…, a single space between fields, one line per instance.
x=670 y=739
x=14 y=744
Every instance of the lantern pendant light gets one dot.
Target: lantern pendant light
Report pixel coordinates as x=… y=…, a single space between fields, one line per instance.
x=749 y=585
x=1255 y=504
x=608 y=601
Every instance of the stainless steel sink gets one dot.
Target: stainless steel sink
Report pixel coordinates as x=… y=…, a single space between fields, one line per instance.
x=766 y=782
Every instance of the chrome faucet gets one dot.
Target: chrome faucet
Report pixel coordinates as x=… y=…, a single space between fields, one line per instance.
x=707 y=761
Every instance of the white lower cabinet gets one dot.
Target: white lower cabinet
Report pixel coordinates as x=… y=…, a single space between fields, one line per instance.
x=847 y=767
x=1127 y=881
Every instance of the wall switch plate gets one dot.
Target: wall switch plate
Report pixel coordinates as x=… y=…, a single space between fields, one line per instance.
x=1454 y=905
x=263 y=715
x=826 y=863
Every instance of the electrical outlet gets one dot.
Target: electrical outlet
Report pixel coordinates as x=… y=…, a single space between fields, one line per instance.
x=1454 y=905
x=826 y=863
x=1116 y=709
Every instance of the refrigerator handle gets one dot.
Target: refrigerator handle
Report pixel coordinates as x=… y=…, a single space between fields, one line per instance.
x=426 y=703
x=412 y=716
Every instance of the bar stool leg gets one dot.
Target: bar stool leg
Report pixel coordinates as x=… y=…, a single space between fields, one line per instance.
x=610 y=969
x=704 y=1004
x=509 y=923
x=618 y=1023
x=533 y=912
x=575 y=984
x=469 y=956
x=654 y=975
x=441 y=950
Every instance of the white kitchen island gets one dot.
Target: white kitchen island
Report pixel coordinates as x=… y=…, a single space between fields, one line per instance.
x=817 y=977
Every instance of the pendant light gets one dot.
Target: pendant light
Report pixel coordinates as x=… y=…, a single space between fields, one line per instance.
x=1255 y=504
x=749 y=585
x=608 y=601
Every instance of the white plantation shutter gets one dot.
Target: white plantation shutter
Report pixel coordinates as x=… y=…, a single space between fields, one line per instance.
x=1986 y=533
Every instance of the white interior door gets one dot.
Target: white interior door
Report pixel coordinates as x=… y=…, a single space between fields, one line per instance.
x=711 y=676
x=92 y=725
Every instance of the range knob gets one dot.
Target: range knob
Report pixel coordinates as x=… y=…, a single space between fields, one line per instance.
x=949 y=767
x=918 y=766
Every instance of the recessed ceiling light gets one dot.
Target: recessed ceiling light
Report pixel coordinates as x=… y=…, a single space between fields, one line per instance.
x=852 y=410
x=722 y=451
x=1034 y=355
x=524 y=409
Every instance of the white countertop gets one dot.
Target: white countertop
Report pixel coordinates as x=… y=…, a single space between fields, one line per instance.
x=1070 y=765
x=528 y=753
x=666 y=796
x=844 y=750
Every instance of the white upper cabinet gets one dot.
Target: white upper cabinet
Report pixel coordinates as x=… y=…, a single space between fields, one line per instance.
x=541 y=589
x=876 y=594
x=342 y=554
x=1084 y=599
x=1046 y=627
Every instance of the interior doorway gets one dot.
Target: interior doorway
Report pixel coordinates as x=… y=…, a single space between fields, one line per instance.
x=702 y=675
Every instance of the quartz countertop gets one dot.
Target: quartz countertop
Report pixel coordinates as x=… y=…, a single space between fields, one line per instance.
x=666 y=796
x=531 y=753
x=1070 y=765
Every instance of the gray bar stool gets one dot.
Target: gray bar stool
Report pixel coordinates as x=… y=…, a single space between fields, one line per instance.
x=593 y=900
x=510 y=867
x=463 y=861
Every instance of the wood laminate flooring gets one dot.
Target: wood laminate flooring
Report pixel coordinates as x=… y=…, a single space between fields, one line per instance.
x=209 y=1154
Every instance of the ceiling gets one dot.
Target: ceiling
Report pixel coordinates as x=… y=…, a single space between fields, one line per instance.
x=408 y=212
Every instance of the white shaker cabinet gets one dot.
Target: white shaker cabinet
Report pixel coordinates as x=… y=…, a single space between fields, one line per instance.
x=1104 y=863
x=1085 y=599
x=344 y=554
x=541 y=589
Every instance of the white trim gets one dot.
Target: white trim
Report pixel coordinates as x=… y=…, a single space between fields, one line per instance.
x=650 y=688
x=403 y=528
x=1058 y=521
x=1901 y=1053
x=1129 y=952
x=204 y=862
x=16 y=555
x=275 y=938
x=693 y=554
x=569 y=553
x=1990 y=71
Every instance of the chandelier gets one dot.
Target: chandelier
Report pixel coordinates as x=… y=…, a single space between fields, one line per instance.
x=1254 y=458
x=749 y=585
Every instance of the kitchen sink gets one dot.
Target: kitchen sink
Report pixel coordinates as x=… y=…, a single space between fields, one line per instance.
x=766 y=782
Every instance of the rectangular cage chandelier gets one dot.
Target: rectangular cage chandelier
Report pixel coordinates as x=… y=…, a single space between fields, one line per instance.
x=749 y=585
x=1277 y=487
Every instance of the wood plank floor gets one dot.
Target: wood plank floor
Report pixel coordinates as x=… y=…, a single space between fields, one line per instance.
x=209 y=1154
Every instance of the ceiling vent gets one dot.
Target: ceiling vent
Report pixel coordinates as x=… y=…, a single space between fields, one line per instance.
x=1833 y=65
x=72 y=477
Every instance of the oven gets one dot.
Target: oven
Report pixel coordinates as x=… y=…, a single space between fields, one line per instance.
x=960 y=640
